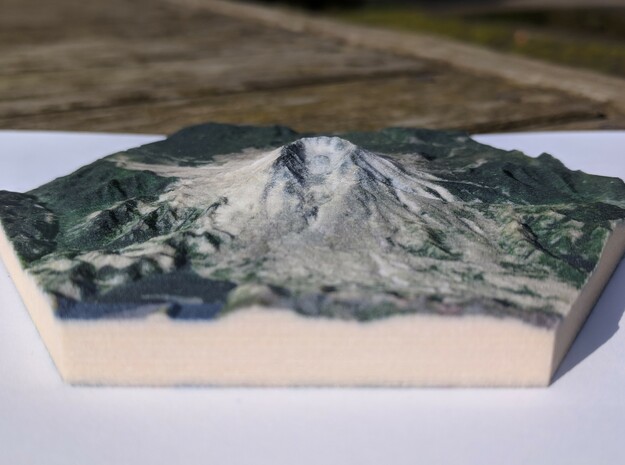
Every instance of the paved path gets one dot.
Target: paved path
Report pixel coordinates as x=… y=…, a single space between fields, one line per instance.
x=156 y=65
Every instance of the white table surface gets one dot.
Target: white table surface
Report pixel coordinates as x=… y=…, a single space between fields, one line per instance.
x=580 y=419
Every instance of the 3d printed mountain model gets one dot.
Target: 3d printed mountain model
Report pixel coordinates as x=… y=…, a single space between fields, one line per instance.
x=259 y=256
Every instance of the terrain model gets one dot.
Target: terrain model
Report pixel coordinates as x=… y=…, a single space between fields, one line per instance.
x=413 y=246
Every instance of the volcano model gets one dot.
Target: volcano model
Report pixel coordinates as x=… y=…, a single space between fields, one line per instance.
x=259 y=256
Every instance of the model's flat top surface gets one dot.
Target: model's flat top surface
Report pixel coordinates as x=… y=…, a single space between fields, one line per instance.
x=579 y=419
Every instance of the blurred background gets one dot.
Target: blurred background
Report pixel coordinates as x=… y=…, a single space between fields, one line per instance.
x=153 y=66
x=584 y=33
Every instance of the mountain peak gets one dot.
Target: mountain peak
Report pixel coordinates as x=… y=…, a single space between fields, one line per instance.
x=331 y=146
x=315 y=156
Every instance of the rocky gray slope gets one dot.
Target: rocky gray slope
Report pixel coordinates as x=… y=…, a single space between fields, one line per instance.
x=360 y=226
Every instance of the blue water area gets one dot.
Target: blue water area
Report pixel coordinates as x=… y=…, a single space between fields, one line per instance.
x=195 y=311
x=73 y=309
x=180 y=295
